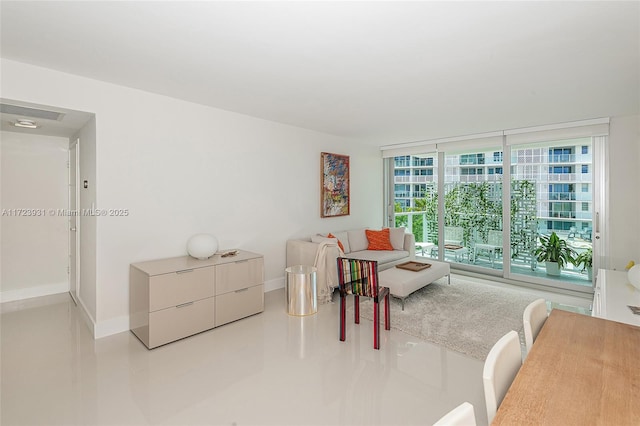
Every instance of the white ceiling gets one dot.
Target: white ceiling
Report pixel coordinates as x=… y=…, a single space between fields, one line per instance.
x=383 y=72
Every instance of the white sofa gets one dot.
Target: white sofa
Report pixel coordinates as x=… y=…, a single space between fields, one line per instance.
x=321 y=252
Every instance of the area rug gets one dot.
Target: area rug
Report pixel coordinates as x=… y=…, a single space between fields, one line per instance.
x=466 y=317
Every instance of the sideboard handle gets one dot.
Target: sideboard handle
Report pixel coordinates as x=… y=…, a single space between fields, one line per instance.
x=241 y=290
x=184 y=304
x=184 y=271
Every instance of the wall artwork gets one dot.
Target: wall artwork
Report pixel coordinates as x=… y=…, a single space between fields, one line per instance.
x=334 y=198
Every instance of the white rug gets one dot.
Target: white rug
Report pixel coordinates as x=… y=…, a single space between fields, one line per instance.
x=465 y=317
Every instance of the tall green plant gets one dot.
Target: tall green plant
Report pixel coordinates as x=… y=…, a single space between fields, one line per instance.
x=585 y=258
x=554 y=249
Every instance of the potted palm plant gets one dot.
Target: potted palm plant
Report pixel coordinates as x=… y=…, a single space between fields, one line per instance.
x=586 y=260
x=555 y=252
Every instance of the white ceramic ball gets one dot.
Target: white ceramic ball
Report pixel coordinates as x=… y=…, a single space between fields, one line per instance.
x=202 y=246
x=634 y=276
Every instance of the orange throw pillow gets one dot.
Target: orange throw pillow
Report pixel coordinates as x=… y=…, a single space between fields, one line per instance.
x=339 y=243
x=379 y=240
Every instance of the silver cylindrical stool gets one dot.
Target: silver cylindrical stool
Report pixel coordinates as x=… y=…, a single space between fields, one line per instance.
x=301 y=291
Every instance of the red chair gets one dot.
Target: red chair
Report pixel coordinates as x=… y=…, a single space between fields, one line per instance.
x=360 y=278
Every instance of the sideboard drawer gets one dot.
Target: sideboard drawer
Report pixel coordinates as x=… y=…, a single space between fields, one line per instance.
x=238 y=275
x=180 y=287
x=239 y=304
x=180 y=321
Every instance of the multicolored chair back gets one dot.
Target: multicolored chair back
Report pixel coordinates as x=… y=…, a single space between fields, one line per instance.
x=359 y=277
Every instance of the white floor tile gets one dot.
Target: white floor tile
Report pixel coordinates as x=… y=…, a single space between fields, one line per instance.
x=269 y=369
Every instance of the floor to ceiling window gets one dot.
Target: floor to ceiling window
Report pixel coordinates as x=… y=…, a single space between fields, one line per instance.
x=415 y=202
x=458 y=190
x=473 y=207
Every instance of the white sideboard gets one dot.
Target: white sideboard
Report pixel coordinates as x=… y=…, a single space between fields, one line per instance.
x=612 y=294
x=173 y=298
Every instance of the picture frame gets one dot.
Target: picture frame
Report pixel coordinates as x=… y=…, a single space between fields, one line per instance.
x=334 y=185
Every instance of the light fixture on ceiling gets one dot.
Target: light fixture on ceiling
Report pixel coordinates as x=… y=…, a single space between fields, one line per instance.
x=23 y=122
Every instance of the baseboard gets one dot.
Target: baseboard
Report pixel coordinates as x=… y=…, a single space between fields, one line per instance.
x=112 y=326
x=30 y=292
x=86 y=317
x=104 y=328
x=274 y=284
x=121 y=324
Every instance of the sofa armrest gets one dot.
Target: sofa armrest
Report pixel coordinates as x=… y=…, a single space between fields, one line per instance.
x=300 y=252
x=410 y=245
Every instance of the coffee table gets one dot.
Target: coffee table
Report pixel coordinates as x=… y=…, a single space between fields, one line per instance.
x=424 y=247
x=458 y=252
x=402 y=283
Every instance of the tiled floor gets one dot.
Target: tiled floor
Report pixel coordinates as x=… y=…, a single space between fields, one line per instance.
x=269 y=369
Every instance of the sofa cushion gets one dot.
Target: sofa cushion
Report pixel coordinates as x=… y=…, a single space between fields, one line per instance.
x=378 y=240
x=344 y=239
x=381 y=256
x=358 y=240
x=338 y=239
x=396 y=236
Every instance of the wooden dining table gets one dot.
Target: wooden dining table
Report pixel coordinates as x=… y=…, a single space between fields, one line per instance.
x=581 y=371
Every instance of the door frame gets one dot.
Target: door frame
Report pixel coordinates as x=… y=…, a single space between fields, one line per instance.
x=74 y=219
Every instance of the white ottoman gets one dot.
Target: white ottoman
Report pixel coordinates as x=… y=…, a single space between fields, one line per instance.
x=402 y=283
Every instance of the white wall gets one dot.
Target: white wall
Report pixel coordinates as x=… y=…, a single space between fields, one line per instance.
x=624 y=191
x=181 y=168
x=34 y=176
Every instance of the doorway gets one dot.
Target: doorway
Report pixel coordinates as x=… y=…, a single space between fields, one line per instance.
x=34 y=223
x=41 y=198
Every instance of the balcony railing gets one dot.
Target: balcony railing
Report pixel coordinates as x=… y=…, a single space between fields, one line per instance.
x=413 y=179
x=579 y=239
x=562 y=158
x=567 y=177
x=562 y=196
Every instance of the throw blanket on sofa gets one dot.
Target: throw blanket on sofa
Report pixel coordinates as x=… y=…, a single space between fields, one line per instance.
x=326 y=277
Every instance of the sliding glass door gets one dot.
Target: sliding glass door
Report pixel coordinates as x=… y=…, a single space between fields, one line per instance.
x=471 y=200
x=498 y=208
x=553 y=186
x=472 y=222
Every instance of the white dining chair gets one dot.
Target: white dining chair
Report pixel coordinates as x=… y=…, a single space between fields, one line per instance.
x=462 y=415
x=500 y=368
x=535 y=314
